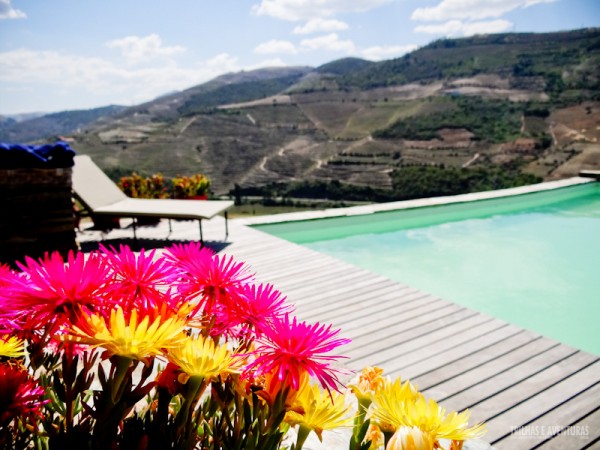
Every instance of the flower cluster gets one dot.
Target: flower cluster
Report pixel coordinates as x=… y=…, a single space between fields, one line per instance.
x=182 y=349
x=399 y=415
x=186 y=187
x=137 y=186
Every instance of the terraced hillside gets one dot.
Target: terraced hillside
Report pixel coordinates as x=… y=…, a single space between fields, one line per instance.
x=530 y=102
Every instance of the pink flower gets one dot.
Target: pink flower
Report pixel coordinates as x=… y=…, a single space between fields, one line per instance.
x=140 y=279
x=20 y=396
x=251 y=309
x=11 y=320
x=214 y=280
x=288 y=350
x=184 y=253
x=52 y=292
x=6 y=275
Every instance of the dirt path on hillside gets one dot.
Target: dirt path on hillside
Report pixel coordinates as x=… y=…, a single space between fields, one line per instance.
x=264 y=160
x=471 y=161
x=186 y=126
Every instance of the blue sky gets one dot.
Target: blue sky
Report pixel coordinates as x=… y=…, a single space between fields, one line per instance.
x=73 y=54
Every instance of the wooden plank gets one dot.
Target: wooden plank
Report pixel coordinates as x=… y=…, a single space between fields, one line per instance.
x=417 y=345
x=418 y=323
x=539 y=394
x=351 y=300
x=322 y=304
x=435 y=361
x=461 y=365
x=584 y=433
x=496 y=394
x=361 y=312
x=437 y=348
x=292 y=261
x=336 y=285
x=415 y=307
x=311 y=281
x=562 y=419
x=308 y=277
x=489 y=371
x=405 y=334
x=291 y=275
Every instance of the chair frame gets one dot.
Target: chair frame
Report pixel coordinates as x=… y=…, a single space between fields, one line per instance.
x=100 y=196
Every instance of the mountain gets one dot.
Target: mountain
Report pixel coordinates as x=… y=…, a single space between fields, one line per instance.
x=27 y=128
x=345 y=66
x=22 y=117
x=524 y=59
x=524 y=104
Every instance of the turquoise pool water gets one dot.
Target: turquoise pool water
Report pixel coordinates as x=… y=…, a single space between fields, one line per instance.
x=532 y=260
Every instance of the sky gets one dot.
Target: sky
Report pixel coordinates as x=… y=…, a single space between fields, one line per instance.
x=58 y=55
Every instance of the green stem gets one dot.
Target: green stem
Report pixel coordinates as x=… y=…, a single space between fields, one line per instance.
x=183 y=422
x=303 y=433
x=359 y=420
x=121 y=365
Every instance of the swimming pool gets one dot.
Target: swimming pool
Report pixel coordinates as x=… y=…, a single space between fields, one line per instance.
x=532 y=260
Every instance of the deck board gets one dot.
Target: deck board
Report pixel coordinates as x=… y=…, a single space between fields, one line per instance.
x=589 y=427
x=508 y=376
x=490 y=370
x=563 y=420
x=478 y=357
x=402 y=339
x=517 y=382
x=542 y=402
x=432 y=362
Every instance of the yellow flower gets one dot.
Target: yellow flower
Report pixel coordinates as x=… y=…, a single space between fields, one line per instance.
x=391 y=402
x=410 y=438
x=394 y=408
x=201 y=357
x=431 y=418
x=375 y=435
x=369 y=382
x=12 y=347
x=129 y=339
x=318 y=410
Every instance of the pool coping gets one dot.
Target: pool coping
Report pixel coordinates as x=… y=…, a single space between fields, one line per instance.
x=410 y=204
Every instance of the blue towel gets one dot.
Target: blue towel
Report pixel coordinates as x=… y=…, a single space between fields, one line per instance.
x=18 y=156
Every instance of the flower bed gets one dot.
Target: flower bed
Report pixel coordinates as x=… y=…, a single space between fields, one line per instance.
x=194 y=187
x=136 y=186
x=183 y=350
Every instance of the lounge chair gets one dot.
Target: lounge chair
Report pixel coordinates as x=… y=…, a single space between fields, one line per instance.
x=103 y=198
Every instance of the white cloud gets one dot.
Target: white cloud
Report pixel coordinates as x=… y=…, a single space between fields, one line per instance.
x=486 y=27
x=295 y=10
x=274 y=62
x=471 y=9
x=329 y=42
x=377 y=53
x=459 y=28
x=217 y=65
x=321 y=26
x=275 y=46
x=7 y=11
x=99 y=78
x=137 y=49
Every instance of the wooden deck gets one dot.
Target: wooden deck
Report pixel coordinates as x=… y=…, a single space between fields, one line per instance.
x=528 y=388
